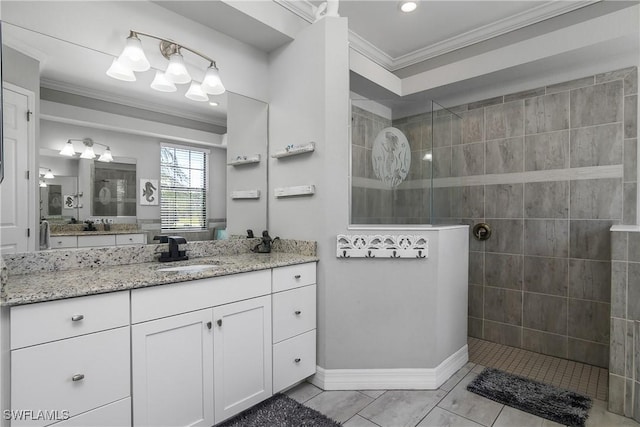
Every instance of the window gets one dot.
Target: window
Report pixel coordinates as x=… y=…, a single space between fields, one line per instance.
x=183 y=188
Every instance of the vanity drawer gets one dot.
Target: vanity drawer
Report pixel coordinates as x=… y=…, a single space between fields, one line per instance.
x=49 y=321
x=294 y=360
x=294 y=276
x=130 y=239
x=99 y=240
x=76 y=374
x=294 y=312
x=116 y=414
x=63 y=242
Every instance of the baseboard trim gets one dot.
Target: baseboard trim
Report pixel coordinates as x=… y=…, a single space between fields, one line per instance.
x=391 y=379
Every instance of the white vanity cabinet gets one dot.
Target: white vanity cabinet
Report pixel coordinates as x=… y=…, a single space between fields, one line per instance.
x=97 y=240
x=72 y=358
x=172 y=365
x=294 y=324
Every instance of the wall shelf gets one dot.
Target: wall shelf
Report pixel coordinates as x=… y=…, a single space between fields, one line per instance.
x=294 y=150
x=244 y=160
x=301 y=190
x=245 y=194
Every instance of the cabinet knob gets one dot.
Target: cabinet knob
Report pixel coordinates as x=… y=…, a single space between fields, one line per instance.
x=77 y=377
x=77 y=317
x=219 y=322
x=298 y=312
x=297 y=360
x=297 y=276
x=209 y=325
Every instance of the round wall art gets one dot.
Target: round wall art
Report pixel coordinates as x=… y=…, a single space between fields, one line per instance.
x=391 y=156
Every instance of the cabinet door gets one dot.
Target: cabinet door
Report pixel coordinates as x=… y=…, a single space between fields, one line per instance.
x=172 y=366
x=242 y=355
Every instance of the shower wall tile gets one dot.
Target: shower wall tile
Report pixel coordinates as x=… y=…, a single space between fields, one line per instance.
x=631 y=82
x=547 y=151
x=634 y=247
x=631 y=116
x=442 y=131
x=467 y=202
x=619 y=241
x=378 y=203
x=504 y=120
x=545 y=313
x=505 y=155
x=358 y=203
x=442 y=202
x=633 y=291
x=467 y=159
x=573 y=84
x=503 y=200
x=629 y=213
x=502 y=333
x=503 y=305
x=629 y=356
x=616 y=394
x=476 y=299
x=596 y=145
x=617 y=346
x=589 y=320
x=596 y=199
x=546 y=199
x=543 y=342
x=475 y=245
x=358 y=161
x=546 y=237
x=597 y=104
x=619 y=289
x=590 y=239
x=525 y=94
x=472 y=126
x=410 y=203
x=546 y=275
x=486 y=102
x=590 y=280
x=546 y=113
x=614 y=75
x=474 y=327
x=630 y=160
x=588 y=352
x=476 y=268
x=441 y=162
x=506 y=236
x=503 y=271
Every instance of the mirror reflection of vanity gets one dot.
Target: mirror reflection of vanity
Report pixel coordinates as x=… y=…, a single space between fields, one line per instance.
x=133 y=123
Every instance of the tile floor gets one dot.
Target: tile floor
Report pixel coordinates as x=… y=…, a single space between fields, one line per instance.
x=452 y=404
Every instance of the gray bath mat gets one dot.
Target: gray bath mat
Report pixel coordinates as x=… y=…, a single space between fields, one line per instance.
x=544 y=400
x=280 y=411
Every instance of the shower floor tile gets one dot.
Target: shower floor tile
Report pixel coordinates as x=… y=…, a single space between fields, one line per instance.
x=576 y=376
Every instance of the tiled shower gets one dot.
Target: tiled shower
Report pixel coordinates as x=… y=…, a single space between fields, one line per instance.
x=550 y=169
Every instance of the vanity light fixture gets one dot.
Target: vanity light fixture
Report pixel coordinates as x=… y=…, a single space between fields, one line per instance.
x=48 y=174
x=132 y=59
x=88 y=152
x=408 y=6
x=43 y=184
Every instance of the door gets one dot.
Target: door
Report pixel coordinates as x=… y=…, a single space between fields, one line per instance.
x=14 y=190
x=242 y=355
x=172 y=369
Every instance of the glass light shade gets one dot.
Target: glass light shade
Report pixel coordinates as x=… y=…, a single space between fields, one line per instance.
x=195 y=93
x=428 y=156
x=106 y=156
x=88 y=153
x=68 y=150
x=133 y=56
x=120 y=71
x=408 y=6
x=162 y=84
x=42 y=183
x=49 y=175
x=176 y=70
x=212 y=83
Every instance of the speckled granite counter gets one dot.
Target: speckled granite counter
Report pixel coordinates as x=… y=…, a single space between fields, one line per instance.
x=53 y=285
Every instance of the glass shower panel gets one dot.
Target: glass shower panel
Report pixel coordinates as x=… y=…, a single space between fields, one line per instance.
x=393 y=161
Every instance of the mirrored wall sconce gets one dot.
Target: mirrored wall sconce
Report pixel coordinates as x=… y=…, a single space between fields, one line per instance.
x=133 y=60
x=88 y=153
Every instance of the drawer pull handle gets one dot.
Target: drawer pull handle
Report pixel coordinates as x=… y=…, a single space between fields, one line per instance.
x=77 y=377
x=298 y=312
x=297 y=276
x=77 y=317
x=219 y=322
x=297 y=360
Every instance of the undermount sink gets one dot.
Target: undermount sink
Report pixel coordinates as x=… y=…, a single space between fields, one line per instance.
x=196 y=268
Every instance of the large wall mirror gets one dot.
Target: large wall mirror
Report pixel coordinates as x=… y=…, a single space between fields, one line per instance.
x=77 y=101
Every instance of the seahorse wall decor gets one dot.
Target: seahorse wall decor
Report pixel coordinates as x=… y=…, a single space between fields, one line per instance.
x=328 y=8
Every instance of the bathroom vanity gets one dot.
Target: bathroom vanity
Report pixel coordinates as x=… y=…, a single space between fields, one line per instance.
x=200 y=346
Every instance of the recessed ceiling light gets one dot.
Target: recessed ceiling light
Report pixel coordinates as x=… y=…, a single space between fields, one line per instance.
x=213 y=103
x=408 y=6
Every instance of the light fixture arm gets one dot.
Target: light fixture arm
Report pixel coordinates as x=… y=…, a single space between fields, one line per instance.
x=88 y=142
x=169 y=47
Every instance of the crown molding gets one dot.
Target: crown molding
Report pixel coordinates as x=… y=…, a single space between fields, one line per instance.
x=532 y=16
x=129 y=102
x=302 y=8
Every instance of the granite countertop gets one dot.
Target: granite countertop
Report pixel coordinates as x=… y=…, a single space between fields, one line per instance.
x=92 y=233
x=48 y=286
